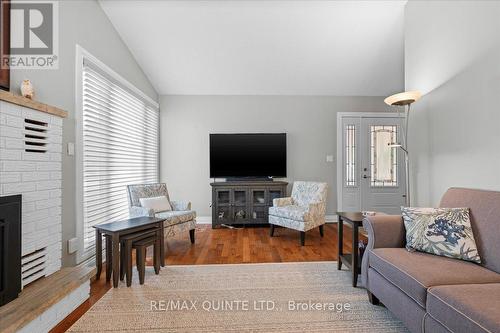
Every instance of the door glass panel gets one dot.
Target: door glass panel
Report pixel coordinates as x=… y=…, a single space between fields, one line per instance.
x=223 y=213
x=240 y=197
x=259 y=212
x=240 y=213
x=223 y=197
x=274 y=194
x=259 y=197
x=350 y=156
x=383 y=158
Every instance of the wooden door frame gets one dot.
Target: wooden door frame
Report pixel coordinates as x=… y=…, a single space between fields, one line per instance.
x=340 y=116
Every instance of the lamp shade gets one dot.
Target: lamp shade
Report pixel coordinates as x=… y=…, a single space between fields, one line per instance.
x=403 y=98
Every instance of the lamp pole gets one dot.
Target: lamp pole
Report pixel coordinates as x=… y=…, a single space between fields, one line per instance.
x=407 y=172
x=407 y=176
x=404 y=99
x=407 y=157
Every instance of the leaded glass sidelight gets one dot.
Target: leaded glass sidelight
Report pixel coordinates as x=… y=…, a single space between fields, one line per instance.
x=383 y=158
x=350 y=156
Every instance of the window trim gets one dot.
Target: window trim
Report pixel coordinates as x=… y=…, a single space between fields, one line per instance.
x=82 y=55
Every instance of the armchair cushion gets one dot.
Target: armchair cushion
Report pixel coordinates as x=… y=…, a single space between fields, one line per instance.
x=414 y=272
x=294 y=224
x=292 y=212
x=176 y=217
x=298 y=213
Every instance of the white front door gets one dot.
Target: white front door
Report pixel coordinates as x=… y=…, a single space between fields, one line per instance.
x=372 y=173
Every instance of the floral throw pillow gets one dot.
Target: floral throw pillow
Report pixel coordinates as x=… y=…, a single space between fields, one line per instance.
x=442 y=231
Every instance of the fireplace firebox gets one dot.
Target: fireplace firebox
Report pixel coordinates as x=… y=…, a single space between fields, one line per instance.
x=10 y=248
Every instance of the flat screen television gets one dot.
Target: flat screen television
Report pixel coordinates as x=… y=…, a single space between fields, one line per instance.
x=248 y=155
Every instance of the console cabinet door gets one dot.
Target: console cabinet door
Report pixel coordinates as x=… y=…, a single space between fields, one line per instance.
x=240 y=205
x=223 y=206
x=259 y=207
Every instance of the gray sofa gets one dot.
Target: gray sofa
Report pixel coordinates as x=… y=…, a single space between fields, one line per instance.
x=430 y=293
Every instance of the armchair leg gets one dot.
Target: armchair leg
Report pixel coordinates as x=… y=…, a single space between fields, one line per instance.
x=191 y=235
x=302 y=238
x=373 y=299
x=271 y=230
x=321 y=230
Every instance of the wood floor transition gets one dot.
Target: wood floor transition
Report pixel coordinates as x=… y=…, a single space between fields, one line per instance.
x=234 y=246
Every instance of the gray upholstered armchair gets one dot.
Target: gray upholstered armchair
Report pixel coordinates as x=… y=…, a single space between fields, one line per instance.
x=181 y=218
x=303 y=211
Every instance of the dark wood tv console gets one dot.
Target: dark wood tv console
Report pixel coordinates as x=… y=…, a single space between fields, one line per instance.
x=244 y=202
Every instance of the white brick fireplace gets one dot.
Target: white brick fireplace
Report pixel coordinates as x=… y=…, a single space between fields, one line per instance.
x=30 y=165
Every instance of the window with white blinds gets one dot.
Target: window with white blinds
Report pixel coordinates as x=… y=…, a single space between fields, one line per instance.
x=120 y=132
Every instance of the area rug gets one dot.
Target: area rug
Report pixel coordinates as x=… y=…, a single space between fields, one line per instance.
x=278 y=297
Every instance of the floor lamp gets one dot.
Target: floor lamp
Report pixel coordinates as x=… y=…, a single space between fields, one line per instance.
x=404 y=99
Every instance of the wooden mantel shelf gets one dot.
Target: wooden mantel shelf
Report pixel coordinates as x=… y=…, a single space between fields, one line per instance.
x=28 y=103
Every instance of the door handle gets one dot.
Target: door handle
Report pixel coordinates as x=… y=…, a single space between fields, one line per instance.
x=365 y=176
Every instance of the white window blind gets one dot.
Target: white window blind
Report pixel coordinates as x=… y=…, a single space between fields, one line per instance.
x=120 y=147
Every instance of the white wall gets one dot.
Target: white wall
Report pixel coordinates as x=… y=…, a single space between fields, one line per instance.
x=452 y=53
x=80 y=22
x=310 y=124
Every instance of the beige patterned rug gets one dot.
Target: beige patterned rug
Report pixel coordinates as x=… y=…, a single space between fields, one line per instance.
x=285 y=297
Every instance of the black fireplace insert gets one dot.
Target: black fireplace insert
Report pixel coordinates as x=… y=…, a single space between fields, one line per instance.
x=10 y=248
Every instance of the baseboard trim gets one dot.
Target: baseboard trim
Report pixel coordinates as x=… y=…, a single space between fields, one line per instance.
x=331 y=218
x=208 y=219
x=203 y=219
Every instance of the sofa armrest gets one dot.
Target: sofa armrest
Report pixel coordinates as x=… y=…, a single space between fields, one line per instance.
x=137 y=211
x=383 y=231
x=180 y=205
x=279 y=202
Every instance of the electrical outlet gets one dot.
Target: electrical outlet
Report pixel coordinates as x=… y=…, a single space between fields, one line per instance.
x=71 y=149
x=329 y=158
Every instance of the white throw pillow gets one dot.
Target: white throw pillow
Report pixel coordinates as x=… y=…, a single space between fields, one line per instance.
x=157 y=204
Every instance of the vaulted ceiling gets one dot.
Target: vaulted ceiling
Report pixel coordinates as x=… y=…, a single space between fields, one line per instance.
x=341 y=48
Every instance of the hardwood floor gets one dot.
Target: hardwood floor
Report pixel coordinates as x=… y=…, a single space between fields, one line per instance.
x=234 y=246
